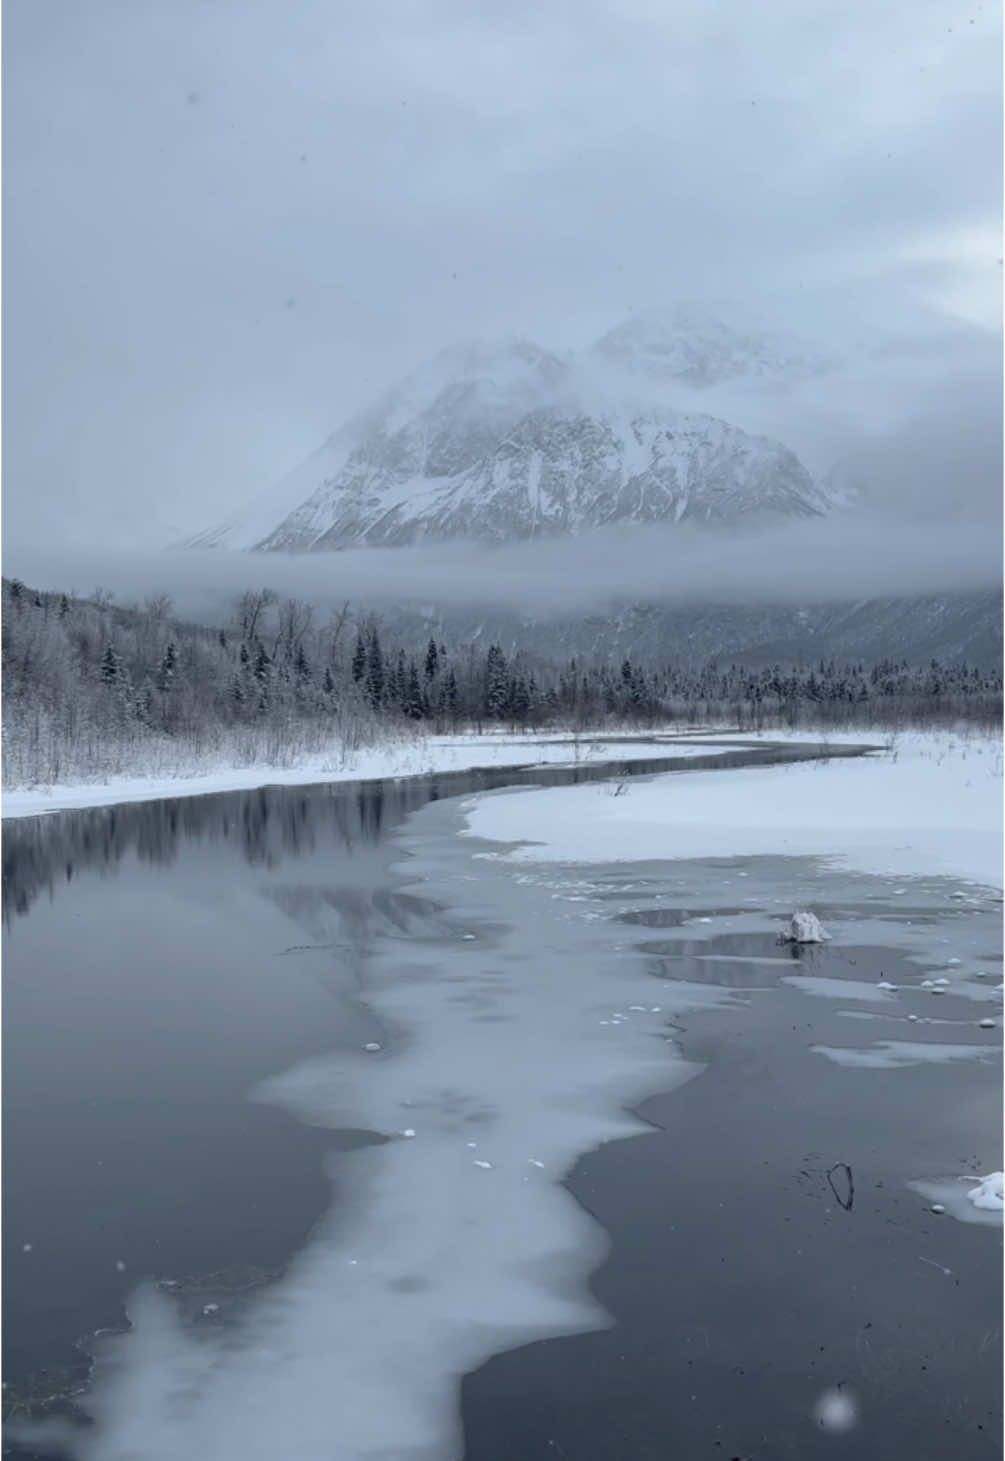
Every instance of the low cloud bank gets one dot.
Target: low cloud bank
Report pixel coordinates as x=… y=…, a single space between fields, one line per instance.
x=839 y=558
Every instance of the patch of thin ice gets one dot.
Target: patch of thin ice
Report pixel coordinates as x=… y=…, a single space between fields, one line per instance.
x=980 y=1201
x=838 y=988
x=892 y=1054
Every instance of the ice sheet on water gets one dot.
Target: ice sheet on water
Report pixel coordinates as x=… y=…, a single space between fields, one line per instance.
x=891 y=1054
x=839 y=988
x=968 y=1199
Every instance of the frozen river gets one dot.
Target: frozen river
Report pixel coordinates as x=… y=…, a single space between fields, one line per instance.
x=395 y=1148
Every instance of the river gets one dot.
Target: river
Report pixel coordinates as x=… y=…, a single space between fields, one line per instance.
x=522 y=1160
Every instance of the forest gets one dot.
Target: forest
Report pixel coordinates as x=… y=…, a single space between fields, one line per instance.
x=92 y=688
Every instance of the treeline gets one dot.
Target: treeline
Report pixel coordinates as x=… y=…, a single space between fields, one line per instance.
x=91 y=688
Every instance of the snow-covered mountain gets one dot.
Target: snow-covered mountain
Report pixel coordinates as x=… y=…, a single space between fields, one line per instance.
x=507 y=441
x=695 y=348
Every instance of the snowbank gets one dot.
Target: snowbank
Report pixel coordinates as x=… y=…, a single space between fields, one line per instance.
x=421 y=758
x=931 y=805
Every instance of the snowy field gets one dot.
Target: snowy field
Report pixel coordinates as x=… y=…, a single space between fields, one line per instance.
x=930 y=803
x=412 y=758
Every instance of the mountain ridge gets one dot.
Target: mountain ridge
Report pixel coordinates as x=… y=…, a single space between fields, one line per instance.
x=502 y=441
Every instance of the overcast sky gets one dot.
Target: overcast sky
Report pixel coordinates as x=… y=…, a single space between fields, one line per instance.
x=228 y=223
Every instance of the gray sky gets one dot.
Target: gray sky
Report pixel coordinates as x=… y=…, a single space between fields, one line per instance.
x=228 y=223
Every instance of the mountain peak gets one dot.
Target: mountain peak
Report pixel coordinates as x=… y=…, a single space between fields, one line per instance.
x=697 y=348
x=499 y=440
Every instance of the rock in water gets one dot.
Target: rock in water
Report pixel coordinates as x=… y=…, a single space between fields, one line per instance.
x=804 y=928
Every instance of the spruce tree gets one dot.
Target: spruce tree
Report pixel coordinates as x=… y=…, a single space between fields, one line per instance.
x=375 y=669
x=263 y=664
x=397 y=690
x=359 y=659
x=450 y=696
x=414 y=707
x=165 y=677
x=110 y=666
x=495 y=683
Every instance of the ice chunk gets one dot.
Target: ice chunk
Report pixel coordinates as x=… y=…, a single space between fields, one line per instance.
x=986 y=1024
x=885 y=984
x=804 y=928
x=836 y=1410
x=939 y=1207
x=486 y=1166
x=371 y=1045
x=989 y=1194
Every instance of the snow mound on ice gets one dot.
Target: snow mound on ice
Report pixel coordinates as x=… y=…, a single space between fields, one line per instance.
x=989 y=1194
x=804 y=928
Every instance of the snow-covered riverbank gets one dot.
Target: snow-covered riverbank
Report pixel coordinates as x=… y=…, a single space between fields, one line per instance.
x=931 y=803
x=411 y=758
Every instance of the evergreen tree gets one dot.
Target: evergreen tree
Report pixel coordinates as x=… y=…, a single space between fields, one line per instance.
x=359 y=659
x=432 y=660
x=450 y=695
x=519 y=700
x=414 y=707
x=397 y=689
x=375 y=669
x=263 y=665
x=165 y=677
x=110 y=666
x=495 y=683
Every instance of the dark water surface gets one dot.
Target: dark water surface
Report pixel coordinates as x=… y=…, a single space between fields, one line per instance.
x=162 y=959
x=158 y=963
